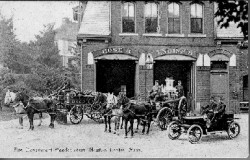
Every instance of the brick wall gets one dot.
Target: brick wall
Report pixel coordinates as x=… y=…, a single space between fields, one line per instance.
x=243 y=69
x=145 y=82
x=203 y=85
x=88 y=76
x=141 y=39
x=145 y=44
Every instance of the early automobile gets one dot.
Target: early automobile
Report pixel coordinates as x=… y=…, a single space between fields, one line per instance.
x=196 y=127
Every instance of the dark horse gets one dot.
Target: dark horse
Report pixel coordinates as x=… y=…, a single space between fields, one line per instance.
x=37 y=105
x=133 y=111
x=101 y=99
x=18 y=101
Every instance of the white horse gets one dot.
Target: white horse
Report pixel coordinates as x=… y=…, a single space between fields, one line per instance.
x=11 y=100
x=116 y=112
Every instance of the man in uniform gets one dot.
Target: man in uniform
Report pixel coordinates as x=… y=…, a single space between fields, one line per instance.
x=214 y=111
x=155 y=90
x=180 y=89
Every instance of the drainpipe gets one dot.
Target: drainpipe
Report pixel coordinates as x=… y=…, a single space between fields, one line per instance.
x=81 y=51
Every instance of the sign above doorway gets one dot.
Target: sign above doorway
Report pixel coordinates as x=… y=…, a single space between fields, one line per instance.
x=177 y=51
x=116 y=50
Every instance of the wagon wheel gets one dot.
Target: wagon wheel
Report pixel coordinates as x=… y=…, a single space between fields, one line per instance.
x=76 y=114
x=194 y=134
x=164 y=117
x=233 y=130
x=174 y=130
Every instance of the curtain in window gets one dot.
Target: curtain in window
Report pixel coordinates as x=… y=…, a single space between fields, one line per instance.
x=173 y=18
x=128 y=18
x=151 y=17
x=196 y=18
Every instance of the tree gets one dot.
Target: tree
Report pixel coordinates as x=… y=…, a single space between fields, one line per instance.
x=8 y=43
x=233 y=11
x=47 y=70
x=46 y=51
x=12 y=52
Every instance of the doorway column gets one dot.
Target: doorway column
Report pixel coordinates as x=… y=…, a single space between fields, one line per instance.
x=137 y=91
x=95 y=74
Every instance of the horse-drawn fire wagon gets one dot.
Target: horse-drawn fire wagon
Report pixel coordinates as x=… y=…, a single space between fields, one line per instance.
x=77 y=104
x=168 y=105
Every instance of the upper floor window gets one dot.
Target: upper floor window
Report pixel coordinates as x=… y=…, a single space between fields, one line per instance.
x=196 y=18
x=173 y=18
x=128 y=17
x=151 y=18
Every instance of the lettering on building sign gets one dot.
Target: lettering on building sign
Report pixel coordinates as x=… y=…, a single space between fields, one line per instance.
x=175 y=51
x=116 y=50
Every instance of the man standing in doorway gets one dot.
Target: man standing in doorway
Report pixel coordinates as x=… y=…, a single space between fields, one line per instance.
x=180 y=89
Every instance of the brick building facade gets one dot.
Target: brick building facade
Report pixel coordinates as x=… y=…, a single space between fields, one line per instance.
x=118 y=38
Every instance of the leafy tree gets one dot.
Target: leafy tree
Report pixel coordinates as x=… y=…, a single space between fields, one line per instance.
x=233 y=11
x=8 y=43
x=46 y=50
x=12 y=53
x=74 y=67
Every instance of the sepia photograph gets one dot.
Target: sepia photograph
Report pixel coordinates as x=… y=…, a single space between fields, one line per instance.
x=124 y=79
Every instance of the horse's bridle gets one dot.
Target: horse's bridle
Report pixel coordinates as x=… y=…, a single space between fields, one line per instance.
x=126 y=105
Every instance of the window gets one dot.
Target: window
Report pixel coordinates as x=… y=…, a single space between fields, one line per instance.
x=128 y=17
x=173 y=18
x=196 y=18
x=151 y=18
x=218 y=65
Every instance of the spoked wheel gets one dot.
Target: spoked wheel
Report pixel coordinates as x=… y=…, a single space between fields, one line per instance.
x=194 y=134
x=233 y=130
x=164 y=117
x=174 y=130
x=76 y=114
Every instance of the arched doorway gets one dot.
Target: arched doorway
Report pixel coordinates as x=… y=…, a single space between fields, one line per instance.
x=116 y=73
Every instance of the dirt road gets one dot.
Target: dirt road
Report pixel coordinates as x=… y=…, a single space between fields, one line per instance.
x=88 y=139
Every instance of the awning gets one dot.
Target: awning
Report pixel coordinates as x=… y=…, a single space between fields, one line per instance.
x=220 y=57
x=175 y=58
x=116 y=57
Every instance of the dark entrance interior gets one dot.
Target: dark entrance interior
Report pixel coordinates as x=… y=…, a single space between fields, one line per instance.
x=245 y=88
x=178 y=70
x=112 y=74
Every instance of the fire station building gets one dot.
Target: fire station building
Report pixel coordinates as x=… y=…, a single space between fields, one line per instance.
x=126 y=46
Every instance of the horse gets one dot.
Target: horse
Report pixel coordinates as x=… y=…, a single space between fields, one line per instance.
x=39 y=105
x=99 y=103
x=138 y=118
x=18 y=104
x=133 y=111
x=114 y=111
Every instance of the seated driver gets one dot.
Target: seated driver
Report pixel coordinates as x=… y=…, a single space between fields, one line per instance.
x=214 y=111
x=155 y=89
